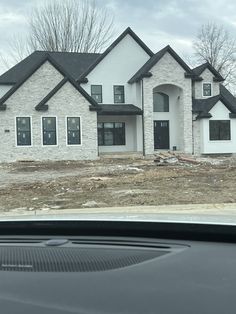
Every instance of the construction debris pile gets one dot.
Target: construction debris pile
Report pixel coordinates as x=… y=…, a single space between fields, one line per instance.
x=168 y=158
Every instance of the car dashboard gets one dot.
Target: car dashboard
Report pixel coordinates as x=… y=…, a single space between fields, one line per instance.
x=116 y=267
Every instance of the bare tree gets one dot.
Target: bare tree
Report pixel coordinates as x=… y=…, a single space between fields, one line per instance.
x=70 y=25
x=215 y=45
x=62 y=25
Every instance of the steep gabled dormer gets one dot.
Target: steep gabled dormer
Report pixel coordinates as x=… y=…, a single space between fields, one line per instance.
x=207 y=83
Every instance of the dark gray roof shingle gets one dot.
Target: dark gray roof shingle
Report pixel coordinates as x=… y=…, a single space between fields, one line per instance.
x=126 y=109
x=203 y=106
x=74 y=63
x=199 y=69
x=67 y=77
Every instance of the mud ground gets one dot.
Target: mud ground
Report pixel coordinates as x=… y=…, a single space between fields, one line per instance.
x=115 y=182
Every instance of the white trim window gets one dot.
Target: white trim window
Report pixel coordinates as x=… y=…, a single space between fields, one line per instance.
x=73 y=131
x=49 y=130
x=96 y=93
x=206 y=89
x=119 y=94
x=23 y=131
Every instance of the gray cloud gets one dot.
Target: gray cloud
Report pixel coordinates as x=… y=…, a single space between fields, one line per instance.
x=157 y=22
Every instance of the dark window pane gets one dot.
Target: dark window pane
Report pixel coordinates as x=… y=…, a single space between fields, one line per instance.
x=73 y=131
x=96 y=89
x=100 y=136
x=23 y=131
x=111 y=133
x=108 y=137
x=23 y=124
x=206 y=89
x=49 y=131
x=160 y=102
x=73 y=124
x=73 y=137
x=119 y=134
x=23 y=138
x=49 y=138
x=49 y=124
x=219 y=130
x=96 y=93
x=119 y=94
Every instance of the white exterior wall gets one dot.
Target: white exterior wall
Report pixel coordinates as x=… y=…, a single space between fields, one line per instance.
x=130 y=135
x=4 y=89
x=117 y=68
x=218 y=112
x=66 y=102
x=207 y=78
x=168 y=71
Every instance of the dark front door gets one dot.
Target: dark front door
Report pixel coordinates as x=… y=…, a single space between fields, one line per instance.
x=161 y=134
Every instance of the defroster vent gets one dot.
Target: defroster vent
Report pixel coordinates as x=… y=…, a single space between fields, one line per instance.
x=70 y=259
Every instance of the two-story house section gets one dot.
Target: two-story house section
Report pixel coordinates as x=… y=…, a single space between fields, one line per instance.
x=77 y=106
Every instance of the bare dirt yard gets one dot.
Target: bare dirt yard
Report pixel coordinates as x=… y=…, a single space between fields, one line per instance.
x=116 y=182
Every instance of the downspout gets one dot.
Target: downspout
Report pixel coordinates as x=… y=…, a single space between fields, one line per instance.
x=144 y=153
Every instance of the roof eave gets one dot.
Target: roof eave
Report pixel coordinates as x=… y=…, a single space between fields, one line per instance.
x=204 y=115
x=94 y=108
x=218 y=79
x=3 y=107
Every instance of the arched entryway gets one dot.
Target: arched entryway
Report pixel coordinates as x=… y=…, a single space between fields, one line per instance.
x=166 y=117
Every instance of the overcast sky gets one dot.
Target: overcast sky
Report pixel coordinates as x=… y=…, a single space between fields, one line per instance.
x=157 y=22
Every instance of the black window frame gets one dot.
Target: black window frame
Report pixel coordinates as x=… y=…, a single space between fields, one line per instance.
x=118 y=94
x=116 y=133
x=94 y=94
x=165 y=97
x=69 y=143
x=44 y=131
x=220 y=133
x=28 y=131
x=203 y=89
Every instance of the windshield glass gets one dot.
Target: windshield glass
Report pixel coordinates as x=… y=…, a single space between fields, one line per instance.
x=107 y=114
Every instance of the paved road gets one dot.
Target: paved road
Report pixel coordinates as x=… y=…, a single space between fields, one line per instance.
x=213 y=213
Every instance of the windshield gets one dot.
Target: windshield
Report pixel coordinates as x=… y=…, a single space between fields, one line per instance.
x=106 y=114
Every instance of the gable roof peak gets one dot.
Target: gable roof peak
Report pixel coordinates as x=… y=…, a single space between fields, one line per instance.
x=66 y=77
x=127 y=31
x=142 y=72
x=206 y=65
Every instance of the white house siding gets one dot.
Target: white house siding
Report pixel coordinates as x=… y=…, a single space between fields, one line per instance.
x=218 y=112
x=4 y=89
x=168 y=71
x=66 y=102
x=207 y=76
x=130 y=134
x=117 y=68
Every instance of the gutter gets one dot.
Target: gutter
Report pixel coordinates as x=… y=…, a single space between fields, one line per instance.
x=144 y=153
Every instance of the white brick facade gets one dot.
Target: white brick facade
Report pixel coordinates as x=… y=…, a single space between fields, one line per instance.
x=66 y=102
x=207 y=77
x=168 y=71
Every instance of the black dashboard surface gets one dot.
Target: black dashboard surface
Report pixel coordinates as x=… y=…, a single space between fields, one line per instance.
x=195 y=276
